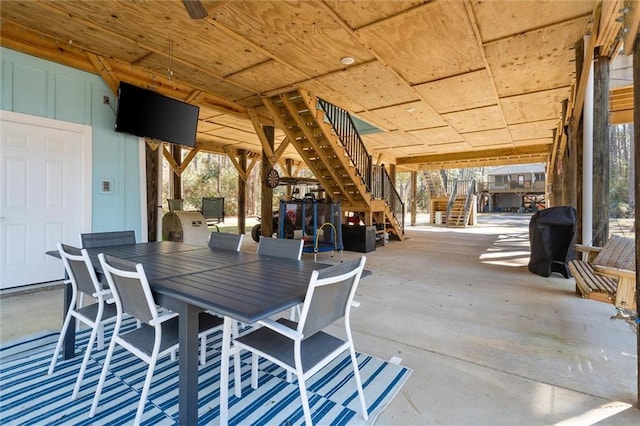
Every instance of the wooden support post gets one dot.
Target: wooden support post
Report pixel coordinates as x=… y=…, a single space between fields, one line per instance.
x=176 y=187
x=576 y=141
x=557 y=184
x=242 y=192
x=600 y=150
x=289 y=171
x=578 y=137
x=266 y=204
x=414 y=195
x=636 y=163
x=569 y=165
x=152 y=165
x=392 y=176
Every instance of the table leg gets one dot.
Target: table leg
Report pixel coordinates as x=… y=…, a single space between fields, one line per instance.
x=224 y=371
x=188 y=364
x=69 y=348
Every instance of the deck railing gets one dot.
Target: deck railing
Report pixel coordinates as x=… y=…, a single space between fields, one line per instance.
x=375 y=178
x=343 y=125
x=384 y=189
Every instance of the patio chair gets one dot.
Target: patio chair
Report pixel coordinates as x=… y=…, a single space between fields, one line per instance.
x=106 y=239
x=83 y=280
x=280 y=247
x=155 y=338
x=225 y=241
x=175 y=204
x=286 y=248
x=213 y=211
x=303 y=348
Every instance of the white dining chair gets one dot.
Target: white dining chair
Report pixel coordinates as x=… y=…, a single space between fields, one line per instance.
x=303 y=348
x=83 y=280
x=285 y=248
x=225 y=241
x=158 y=335
x=107 y=239
x=280 y=247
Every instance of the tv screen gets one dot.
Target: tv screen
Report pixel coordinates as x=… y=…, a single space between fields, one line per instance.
x=145 y=113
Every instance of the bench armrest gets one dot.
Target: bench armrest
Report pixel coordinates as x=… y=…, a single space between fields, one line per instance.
x=589 y=253
x=614 y=272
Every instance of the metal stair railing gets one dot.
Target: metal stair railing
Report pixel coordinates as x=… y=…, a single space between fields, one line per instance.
x=384 y=189
x=467 y=202
x=375 y=178
x=461 y=187
x=343 y=125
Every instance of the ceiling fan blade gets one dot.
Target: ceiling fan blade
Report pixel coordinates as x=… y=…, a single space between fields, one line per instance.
x=195 y=9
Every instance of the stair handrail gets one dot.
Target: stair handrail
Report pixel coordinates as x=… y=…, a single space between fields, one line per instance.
x=379 y=184
x=384 y=189
x=452 y=198
x=347 y=132
x=470 y=193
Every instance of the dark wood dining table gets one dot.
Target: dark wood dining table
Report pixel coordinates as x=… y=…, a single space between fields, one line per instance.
x=240 y=286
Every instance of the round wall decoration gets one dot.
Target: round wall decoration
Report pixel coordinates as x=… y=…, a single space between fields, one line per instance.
x=273 y=178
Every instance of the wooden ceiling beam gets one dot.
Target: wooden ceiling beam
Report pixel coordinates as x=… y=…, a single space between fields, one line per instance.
x=104 y=70
x=581 y=86
x=34 y=43
x=632 y=23
x=461 y=157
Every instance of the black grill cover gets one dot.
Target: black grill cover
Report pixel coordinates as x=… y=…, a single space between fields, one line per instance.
x=552 y=235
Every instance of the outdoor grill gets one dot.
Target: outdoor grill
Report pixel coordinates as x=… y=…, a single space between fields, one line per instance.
x=187 y=227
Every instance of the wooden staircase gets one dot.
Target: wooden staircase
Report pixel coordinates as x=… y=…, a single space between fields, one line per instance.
x=456 y=216
x=458 y=210
x=326 y=154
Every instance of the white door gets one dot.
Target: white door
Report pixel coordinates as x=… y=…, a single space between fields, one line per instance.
x=43 y=195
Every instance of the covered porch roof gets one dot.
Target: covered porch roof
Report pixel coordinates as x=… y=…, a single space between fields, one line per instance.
x=447 y=83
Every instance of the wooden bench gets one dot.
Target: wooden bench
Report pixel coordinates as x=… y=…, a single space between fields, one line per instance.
x=607 y=274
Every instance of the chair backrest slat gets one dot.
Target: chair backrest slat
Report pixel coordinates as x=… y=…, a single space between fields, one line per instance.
x=79 y=268
x=106 y=239
x=175 y=204
x=280 y=247
x=331 y=291
x=225 y=241
x=130 y=287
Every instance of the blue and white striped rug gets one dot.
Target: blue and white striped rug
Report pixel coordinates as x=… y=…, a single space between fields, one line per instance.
x=28 y=396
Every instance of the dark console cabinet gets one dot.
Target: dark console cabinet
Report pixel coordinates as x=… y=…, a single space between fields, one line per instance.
x=359 y=238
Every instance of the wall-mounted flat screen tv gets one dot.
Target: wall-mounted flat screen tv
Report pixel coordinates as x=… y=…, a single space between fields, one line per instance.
x=145 y=113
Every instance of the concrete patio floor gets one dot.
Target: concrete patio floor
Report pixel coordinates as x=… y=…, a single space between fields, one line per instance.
x=489 y=342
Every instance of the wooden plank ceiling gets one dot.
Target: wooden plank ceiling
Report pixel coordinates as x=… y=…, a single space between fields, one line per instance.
x=449 y=83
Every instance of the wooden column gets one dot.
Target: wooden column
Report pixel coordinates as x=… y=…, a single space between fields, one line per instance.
x=576 y=141
x=176 y=182
x=242 y=192
x=557 y=182
x=414 y=195
x=289 y=166
x=152 y=166
x=392 y=176
x=569 y=165
x=600 y=150
x=266 y=203
x=636 y=179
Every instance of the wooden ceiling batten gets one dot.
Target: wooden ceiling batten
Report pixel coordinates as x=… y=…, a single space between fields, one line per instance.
x=492 y=82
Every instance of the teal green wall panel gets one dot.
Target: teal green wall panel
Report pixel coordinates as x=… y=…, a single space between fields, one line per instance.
x=42 y=88
x=33 y=96
x=69 y=99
